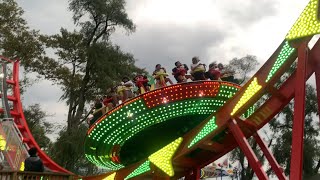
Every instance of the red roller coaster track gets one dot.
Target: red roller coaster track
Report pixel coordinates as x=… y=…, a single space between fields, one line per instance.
x=20 y=121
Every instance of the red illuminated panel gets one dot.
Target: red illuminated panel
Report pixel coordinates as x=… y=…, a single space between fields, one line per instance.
x=180 y=92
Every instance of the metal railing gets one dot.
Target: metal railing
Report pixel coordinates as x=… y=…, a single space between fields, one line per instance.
x=14 y=149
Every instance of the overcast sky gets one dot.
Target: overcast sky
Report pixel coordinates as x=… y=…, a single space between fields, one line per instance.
x=170 y=30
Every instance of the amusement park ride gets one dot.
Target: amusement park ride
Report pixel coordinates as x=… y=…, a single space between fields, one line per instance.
x=174 y=131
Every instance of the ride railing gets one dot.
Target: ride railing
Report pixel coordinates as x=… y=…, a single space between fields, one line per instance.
x=11 y=145
x=21 y=175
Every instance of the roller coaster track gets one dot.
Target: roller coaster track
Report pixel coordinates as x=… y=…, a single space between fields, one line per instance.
x=15 y=111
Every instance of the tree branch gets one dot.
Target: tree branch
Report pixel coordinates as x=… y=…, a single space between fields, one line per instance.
x=316 y=170
x=102 y=32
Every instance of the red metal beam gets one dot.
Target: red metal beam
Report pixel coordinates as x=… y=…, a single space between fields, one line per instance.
x=27 y=135
x=6 y=59
x=247 y=150
x=195 y=174
x=272 y=161
x=318 y=85
x=13 y=113
x=299 y=114
x=10 y=98
x=9 y=81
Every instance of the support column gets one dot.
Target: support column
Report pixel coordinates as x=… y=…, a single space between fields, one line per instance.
x=195 y=174
x=299 y=114
x=247 y=150
x=272 y=161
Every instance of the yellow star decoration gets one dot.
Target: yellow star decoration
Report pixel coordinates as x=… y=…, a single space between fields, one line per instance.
x=110 y=177
x=250 y=91
x=308 y=23
x=22 y=166
x=162 y=158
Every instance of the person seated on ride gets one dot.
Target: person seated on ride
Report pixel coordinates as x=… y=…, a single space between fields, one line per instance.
x=180 y=71
x=197 y=69
x=114 y=94
x=141 y=82
x=125 y=89
x=160 y=74
x=96 y=111
x=108 y=102
x=213 y=73
x=226 y=75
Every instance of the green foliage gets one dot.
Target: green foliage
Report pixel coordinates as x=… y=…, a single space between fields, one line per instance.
x=16 y=39
x=282 y=128
x=68 y=151
x=39 y=128
x=104 y=17
x=86 y=66
x=243 y=66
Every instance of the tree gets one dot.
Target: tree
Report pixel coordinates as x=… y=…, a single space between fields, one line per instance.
x=242 y=67
x=68 y=152
x=16 y=39
x=282 y=130
x=88 y=63
x=39 y=128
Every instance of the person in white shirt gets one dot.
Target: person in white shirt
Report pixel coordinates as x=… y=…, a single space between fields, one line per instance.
x=125 y=89
x=197 y=69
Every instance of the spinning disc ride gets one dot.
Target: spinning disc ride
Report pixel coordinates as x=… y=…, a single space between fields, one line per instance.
x=139 y=127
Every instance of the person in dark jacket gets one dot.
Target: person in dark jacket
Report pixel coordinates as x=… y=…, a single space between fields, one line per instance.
x=180 y=71
x=33 y=163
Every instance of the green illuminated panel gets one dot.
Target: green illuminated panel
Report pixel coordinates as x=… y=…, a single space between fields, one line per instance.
x=207 y=129
x=307 y=24
x=145 y=167
x=284 y=54
x=161 y=114
x=249 y=112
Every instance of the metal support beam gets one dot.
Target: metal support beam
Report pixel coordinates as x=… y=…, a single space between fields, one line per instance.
x=247 y=150
x=272 y=161
x=318 y=88
x=194 y=175
x=299 y=114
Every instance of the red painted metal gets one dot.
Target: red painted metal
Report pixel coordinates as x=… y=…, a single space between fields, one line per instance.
x=10 y=98
x=272 y=161
x=194 y=174
x=317 y=70
x=247 y=150
x=20 y=121
x=13 y=113
x=299 y=114
x=6 y=59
